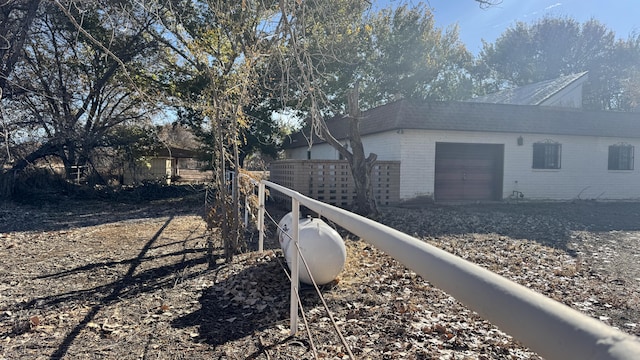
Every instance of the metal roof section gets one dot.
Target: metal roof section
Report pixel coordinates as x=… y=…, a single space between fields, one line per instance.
x=534 y=94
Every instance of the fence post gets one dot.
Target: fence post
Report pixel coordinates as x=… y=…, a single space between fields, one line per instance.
x=261 y=196
x=295 y=212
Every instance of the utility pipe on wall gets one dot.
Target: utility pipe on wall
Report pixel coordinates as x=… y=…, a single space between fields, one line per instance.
x=552 y=329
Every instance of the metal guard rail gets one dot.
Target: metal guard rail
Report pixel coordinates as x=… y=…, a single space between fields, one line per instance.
x=551 y=329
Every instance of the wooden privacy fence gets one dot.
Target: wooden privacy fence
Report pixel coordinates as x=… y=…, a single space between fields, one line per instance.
x=330 y=181
x=546 y=326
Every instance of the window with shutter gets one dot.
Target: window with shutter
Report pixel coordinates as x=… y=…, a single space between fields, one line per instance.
x=546 y=155
x=621 y=157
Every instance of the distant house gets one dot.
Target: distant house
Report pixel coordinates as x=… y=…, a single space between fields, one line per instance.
x=533 y=142
x=168 y=165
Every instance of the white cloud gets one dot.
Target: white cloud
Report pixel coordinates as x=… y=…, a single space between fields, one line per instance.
x=553 y=6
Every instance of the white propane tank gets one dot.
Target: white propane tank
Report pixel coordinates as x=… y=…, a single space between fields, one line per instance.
x=320 y=245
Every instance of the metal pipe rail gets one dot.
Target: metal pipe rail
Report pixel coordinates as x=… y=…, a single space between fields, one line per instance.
x=552 y=329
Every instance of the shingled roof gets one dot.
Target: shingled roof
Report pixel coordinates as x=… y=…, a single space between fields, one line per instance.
x=175 y=152
x=532 y=94
x=485 y=117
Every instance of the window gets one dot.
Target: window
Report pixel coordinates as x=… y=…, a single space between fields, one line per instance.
x=621 y=157
x=546 y=155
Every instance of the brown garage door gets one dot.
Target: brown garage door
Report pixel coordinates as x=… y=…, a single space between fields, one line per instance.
x=468 y=171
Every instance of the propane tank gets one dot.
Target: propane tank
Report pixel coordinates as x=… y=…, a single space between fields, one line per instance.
x=320 y=245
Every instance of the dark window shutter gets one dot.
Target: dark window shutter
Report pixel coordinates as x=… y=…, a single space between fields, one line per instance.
x=538 y=156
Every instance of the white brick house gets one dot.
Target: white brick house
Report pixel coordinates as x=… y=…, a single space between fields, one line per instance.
x=490 y=151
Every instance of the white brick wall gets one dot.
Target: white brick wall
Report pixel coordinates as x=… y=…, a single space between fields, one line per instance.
x=583 y=172
x=417 y=167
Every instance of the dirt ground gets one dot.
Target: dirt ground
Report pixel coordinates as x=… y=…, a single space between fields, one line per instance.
x=104 y=280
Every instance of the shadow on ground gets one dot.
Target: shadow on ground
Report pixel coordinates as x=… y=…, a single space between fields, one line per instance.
x=127 y=286
x=251 y=300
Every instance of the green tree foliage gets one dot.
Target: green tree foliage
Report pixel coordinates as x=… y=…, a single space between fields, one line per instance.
x=393 y=53
x=625 y=77
x=210 y=43
x=411 y=58
x=263 y=135
x=217 y=50
x=552 y=47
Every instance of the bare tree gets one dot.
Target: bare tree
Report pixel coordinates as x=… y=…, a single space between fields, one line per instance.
x=74 y=93
x=72 y=79
x=488 y=3
x=16 y=17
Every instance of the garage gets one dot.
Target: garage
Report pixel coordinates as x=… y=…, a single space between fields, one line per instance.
x=468 y=172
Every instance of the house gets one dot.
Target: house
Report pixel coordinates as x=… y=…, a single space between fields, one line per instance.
x=532 y=143
x=166 y=165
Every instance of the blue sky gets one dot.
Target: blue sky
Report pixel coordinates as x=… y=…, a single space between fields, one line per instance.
x=621 y=16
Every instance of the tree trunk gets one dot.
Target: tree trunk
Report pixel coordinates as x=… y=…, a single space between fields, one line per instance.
x=46 y=149
x=365 y=202
x=5 y=131
x=223 y=190
x=7 y=184
x=11 y=54
x=235 y=196
x=7 y=179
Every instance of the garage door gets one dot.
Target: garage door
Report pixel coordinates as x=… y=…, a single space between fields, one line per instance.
x=468 y=171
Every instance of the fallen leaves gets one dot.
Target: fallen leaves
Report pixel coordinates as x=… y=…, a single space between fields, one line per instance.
x=174 y=306
x=34 y=321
